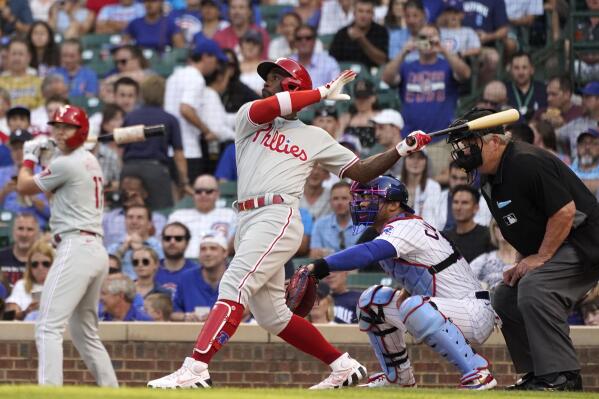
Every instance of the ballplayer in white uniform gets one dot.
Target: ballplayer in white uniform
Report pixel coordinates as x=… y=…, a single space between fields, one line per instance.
x=441 y=302
x=73 y=179
x=275 y=154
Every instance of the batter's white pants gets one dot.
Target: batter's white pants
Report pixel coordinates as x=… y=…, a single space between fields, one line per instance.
x=266 y=238
x=70 y=295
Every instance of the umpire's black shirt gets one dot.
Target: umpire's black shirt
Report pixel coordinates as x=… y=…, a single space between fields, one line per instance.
x=529 y=187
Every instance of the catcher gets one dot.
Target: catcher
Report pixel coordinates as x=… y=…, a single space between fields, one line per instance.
x=441 y=302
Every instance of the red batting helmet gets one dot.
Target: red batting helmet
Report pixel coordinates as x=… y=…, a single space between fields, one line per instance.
x=75 y=116
x=299 y=78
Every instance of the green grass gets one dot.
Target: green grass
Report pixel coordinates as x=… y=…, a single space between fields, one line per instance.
x=35 y=392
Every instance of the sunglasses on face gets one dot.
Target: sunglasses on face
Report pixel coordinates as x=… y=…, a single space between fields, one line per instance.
x=113 y=270
x=143 y=261
x=170 y=238
x=45 y=263
x=122 y=61
x=204 y=190
x=304 y=38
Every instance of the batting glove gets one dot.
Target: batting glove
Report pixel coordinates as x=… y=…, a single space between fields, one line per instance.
x=32 y=150
x=332 y=90
x=415 y=141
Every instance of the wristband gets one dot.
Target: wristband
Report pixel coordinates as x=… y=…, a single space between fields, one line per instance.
x=321 y=268
x=28 y=163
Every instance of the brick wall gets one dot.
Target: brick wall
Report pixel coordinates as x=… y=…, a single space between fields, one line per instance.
x=254 y=364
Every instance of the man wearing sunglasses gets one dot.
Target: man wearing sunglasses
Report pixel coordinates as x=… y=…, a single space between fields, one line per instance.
x=205 y=216
x=275 y=154
x=175 y=239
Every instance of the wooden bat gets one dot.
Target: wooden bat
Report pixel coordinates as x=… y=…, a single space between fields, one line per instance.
x=485 y=122
x=133 y=134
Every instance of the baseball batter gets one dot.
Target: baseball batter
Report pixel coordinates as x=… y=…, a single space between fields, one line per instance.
x=441 y=302
x=275 y=154
x=72 y=289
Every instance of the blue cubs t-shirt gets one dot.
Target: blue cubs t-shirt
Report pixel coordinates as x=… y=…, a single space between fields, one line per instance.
x=171 y=280
x=429 y=95
x=193 y=291
x=345 y=307
x=485 y=15
x=156 y=35
x=190 y=22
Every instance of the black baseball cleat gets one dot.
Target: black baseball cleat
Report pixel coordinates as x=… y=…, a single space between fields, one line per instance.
x=522 y=382
x=562 y=382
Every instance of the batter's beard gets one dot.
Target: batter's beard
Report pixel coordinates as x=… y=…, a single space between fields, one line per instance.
x=266 y=94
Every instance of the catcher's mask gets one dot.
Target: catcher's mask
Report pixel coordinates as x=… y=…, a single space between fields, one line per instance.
x=366 y=199
x=468 y=144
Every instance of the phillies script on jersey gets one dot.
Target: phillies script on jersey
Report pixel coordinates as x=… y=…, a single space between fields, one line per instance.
x=279 y=142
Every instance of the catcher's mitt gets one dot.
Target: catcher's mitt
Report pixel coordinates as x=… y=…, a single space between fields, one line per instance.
x=300 y=294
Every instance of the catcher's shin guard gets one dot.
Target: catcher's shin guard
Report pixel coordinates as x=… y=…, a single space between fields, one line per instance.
x=427 y=324
x=387 y=339
x=222 y=322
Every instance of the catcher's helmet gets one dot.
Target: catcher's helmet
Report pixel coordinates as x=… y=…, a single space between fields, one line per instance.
x=299 y=78
x=75 y=116
x=383 y=188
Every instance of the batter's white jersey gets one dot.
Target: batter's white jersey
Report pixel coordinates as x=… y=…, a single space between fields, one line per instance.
x=77 y=183
x=420 y=246
x=277 y=157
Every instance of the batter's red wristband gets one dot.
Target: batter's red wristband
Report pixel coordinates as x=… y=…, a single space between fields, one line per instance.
x=28 y=163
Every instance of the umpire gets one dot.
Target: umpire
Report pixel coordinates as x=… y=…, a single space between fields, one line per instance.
x=544 y=211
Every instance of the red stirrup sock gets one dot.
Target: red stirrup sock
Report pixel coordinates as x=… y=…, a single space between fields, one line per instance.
x=305 y=337
x=222 y=322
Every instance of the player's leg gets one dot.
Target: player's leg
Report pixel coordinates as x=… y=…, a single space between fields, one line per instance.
x=271 y=312
x=426 y=323
x=63 y=289
x=264 y=234
x=83 y=325
x=376 y=308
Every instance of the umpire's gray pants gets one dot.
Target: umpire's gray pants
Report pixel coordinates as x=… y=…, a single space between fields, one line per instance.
x=535 y=313
x=71 y=293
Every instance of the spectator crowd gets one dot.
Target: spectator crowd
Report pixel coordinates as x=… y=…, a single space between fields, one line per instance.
x=169 y=226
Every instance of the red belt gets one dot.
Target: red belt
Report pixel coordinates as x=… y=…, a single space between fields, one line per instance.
x=57 y=238
x=258 y=202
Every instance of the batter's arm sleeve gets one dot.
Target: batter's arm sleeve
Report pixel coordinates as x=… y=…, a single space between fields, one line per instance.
x=281 y=104
x=355 y=257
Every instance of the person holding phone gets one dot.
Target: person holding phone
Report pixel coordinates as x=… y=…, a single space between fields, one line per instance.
x=25 y=296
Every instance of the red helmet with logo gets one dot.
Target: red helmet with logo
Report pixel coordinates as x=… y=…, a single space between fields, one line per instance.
x=299 y=78
x=75 y=116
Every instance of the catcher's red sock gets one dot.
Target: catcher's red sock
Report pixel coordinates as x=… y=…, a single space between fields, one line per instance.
x=305 y=337
x=222 y=322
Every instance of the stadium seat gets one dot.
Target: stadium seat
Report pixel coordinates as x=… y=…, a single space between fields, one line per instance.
x=364 y=280
x=6 y=221
x=228 y=192
x=96 y=41
x=184 y=203
x=270 y=16
x=326 y=40
x=91 y=104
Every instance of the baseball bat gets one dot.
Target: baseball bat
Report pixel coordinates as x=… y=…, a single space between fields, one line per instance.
x=133 y=134
x=484 y=122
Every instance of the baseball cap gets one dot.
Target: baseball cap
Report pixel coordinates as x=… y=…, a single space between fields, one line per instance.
x=589 y=132
x=389 y=117
x=591 y=89
x=20 y=136
x=18 y=110
x=252 y=36
x=214 y=3
x=209 y=46
x=363 y=89
x=351 y=142
x=455 y=5
x=323 y=290
x=217 y=239
x=326 y=110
